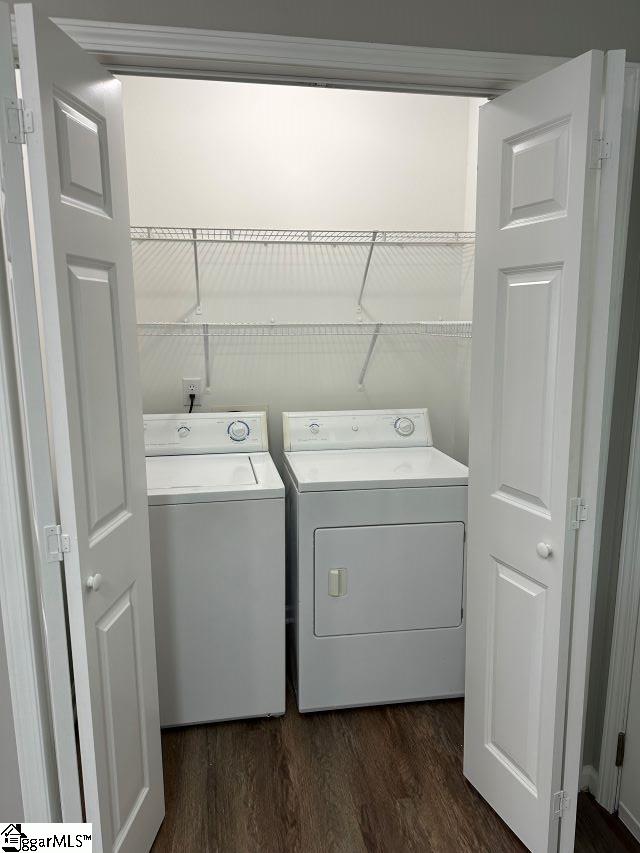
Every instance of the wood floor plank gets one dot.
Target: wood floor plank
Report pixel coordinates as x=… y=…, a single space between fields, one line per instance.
x=369 y=780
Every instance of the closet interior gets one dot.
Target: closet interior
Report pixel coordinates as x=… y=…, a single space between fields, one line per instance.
x=302 y=248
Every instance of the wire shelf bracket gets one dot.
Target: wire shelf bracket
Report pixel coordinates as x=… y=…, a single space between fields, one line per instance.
x=196 y=269
x=365 y=366
x=366 y=270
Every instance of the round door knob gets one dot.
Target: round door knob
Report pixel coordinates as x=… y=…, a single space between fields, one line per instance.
x=94 y=582
x=404 y=426
x=238 y=430
x=183 y=431
x=543 y=550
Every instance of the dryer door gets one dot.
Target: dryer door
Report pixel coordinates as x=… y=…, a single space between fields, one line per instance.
x=392 y=577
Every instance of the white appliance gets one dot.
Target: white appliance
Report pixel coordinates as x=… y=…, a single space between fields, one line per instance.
x=216 y=514
x=376 y=534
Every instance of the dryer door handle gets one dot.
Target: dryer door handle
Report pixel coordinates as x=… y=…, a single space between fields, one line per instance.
x=337 y=582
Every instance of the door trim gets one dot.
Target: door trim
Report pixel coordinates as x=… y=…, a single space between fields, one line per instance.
x=624 y=627
x=145 y=49
x=610 y=255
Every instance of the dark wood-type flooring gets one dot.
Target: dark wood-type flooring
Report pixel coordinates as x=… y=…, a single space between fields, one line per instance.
x=385 y=779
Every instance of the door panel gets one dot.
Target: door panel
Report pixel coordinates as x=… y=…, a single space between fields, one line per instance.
x=81 y=231
x=516 y=630
x=535 y=220
x=526 y=356
x=98 y=358
x=119 y=664
x=83 y=158
x=535 y=174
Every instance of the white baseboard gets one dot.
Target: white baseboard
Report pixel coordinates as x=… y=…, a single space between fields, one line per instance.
x=589 y=779
x=632 y=823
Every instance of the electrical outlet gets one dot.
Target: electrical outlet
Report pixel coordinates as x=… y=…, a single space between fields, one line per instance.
x=191 y=386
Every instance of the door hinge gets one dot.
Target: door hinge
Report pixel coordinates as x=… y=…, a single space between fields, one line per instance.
x=18 y=120
x=620 y=749
x=559 y=804
x=56 y=543
x=579 y=512
x=600 y=150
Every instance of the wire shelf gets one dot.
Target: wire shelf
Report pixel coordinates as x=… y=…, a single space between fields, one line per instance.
x=298 y=237
x=441 y=328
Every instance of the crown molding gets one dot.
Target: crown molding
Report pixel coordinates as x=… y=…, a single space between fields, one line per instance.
x=231 y=55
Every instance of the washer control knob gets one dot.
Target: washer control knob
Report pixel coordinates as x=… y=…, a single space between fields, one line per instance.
x=183 y=431
x=238 y=430
x=314 y=428
x=404 y=426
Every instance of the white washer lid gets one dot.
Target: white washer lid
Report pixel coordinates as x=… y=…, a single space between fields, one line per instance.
x=380 y=468
x=211 y=477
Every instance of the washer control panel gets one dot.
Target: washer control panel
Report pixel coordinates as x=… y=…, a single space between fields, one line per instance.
x=356 y=429
x=215 y=432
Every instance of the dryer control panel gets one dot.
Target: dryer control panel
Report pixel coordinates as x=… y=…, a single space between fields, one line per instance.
x=205 y=432
x=356 y=429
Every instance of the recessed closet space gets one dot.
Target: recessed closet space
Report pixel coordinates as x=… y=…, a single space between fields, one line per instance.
x=299 y=248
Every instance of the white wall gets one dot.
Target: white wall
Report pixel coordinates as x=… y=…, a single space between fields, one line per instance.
x=629 y=807
x=238 y=155
x=203 y=153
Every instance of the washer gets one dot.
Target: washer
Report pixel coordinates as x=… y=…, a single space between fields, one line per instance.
x=376 y=535
x=216 y=515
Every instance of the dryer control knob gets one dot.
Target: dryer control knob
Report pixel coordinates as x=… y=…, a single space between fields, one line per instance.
x=238 y=430
x=314 y=428
x=404 y=426
x=183 y=431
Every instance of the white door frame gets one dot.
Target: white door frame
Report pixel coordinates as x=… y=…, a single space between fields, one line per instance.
x=610 y=249
x=625 y=626
x=140 y=49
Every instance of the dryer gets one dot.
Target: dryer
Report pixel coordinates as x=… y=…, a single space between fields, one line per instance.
x=376 y=555
x=216 y=516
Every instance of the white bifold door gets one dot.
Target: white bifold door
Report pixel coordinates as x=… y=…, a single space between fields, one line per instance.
x=81 y=232
x=538 y=169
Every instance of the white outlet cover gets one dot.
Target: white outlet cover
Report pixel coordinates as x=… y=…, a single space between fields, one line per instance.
x=192 y=386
